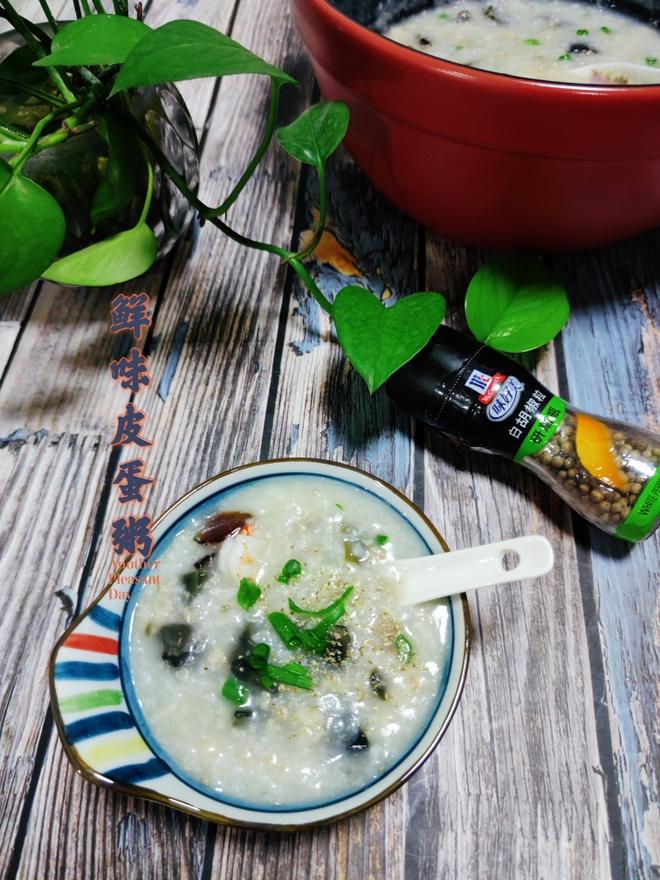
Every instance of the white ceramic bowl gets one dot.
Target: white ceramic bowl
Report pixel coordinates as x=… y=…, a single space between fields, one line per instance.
x=101 y=725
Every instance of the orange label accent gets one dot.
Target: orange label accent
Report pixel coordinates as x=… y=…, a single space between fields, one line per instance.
x=595 y=449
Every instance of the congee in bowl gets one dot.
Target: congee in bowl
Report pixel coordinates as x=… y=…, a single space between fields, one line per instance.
x=270 y=666
x=560 y=40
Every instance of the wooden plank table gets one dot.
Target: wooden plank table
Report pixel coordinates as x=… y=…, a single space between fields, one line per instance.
x=550 y=767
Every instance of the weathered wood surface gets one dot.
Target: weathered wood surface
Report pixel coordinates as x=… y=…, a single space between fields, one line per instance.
x=550 y=767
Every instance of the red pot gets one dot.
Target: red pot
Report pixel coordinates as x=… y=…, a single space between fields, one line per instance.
x=486 y=158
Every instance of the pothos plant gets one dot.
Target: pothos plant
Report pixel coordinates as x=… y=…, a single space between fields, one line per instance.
x=81 y=76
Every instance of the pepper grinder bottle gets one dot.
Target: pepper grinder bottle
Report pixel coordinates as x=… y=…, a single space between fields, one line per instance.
x=606 y=470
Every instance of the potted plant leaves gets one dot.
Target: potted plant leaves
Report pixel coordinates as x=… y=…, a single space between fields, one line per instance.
x=99 y=172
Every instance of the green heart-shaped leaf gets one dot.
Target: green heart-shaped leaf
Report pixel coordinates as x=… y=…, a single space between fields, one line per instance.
x=121 y=175
x=377 y=339
x=316 y=133
x=32 y=228
x=516 y=303
x=95 y=39
x=111 y=261
x=186 y=49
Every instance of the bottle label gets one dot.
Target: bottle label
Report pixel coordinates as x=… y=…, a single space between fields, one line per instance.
x=546 y=422
x=519 y=415
x=506 y=400
x=478 y=396
x=641 y=519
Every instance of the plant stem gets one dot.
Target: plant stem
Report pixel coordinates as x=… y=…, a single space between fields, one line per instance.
x=9 y=147
x=271 y=122
x=164 y=163
x=249 y=242
x=49 y=15
x=150 y=190
x=25 y=153
x=87 y=74
x=7 y=132
x=34 y=144
x=310 y=284
x=184 y=189
x=65 y=91
x=63 y=134
x=320 y=227
x=9 y=141
x=85 y=6
x=284 y=255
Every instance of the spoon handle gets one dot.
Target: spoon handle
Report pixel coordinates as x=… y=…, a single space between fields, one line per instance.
x=444 y=574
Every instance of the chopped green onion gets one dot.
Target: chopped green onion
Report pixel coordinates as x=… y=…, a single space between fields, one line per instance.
x=293 y=674
x=650 y=60
x=235 y=692
x=291 y=569
x=266 y=682
x=315 y=639
x=381 y=540
x=582 y=32
x=532 y=42
x=340 y=506
x=296 y=609
x=248 y=593
x=444 y=16
x=564 y=57
x=259 y=656
x=331 y=616
x=404 y=648
x=286 y=629
x=605 y=29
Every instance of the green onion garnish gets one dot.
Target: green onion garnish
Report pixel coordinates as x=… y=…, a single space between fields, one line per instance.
x=605 y=29
x=564 y=57
x=340 y=506
x=314 y=639
x=258 y=658
x=296 y=609
x=291 y=569
x=381 y=540
x=235 y=692
x=532 y=42
x=293 y=674
x=286 y=629
x=582 y=32
x=404 y=648
x=248 y=593
x=650 y=60
x=266 y=681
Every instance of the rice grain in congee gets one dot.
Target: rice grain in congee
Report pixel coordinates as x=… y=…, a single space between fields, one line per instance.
x=257 y=701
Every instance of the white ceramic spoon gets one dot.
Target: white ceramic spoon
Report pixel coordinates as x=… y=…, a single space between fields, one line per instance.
x=611 y=71
x=445 y=574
